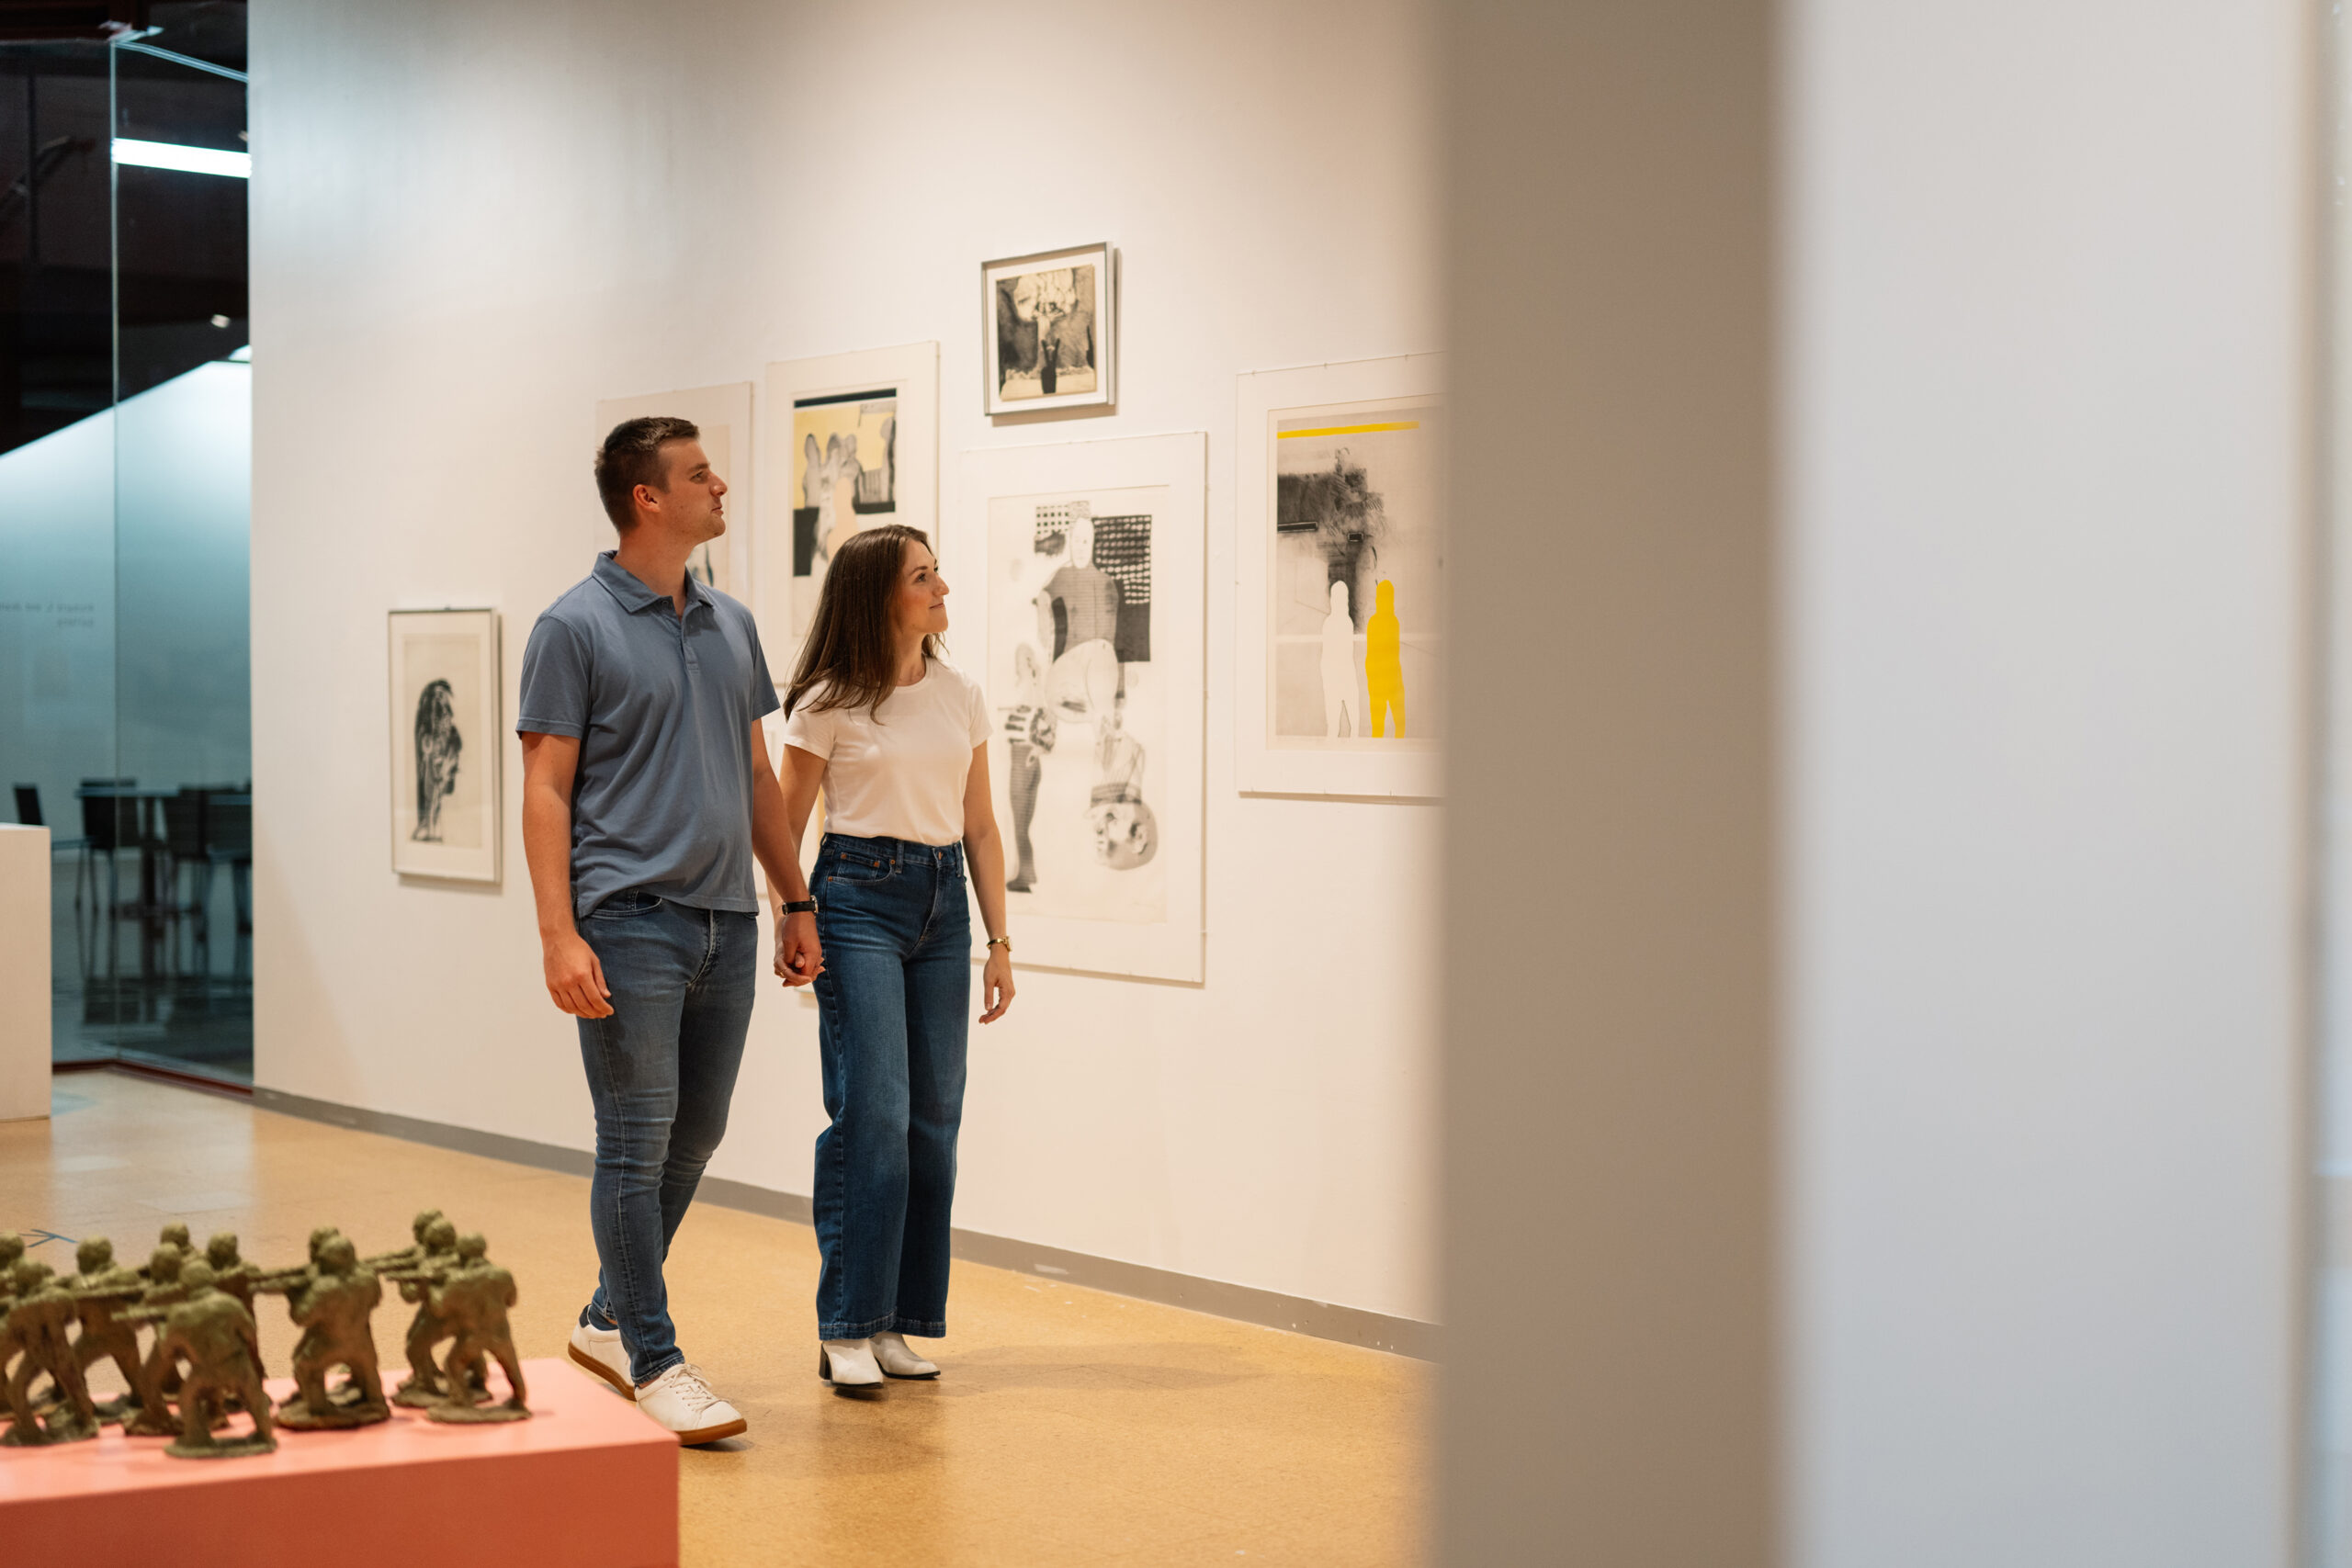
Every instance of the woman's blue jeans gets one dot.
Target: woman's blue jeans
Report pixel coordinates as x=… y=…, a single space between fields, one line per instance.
x=661 y=1071
x=891 y=1015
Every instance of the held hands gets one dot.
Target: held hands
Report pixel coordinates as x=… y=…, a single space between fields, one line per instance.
x=575 y=980
x=996 y=984
x=798 y=958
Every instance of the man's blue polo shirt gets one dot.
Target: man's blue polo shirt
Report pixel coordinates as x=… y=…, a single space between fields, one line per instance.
x=662 y=709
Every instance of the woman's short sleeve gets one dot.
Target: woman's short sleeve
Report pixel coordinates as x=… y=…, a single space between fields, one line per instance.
x=977 y=701
x=812 y=732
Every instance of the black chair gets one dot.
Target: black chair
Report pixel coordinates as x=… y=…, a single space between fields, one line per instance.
x=29 y=813
x=109 y=822
x=229 y=840
x=184 y=841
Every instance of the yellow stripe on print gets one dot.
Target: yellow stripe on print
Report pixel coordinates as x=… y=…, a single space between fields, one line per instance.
x=1348 y=430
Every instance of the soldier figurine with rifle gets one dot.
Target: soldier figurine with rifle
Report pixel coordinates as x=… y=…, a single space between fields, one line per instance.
x=331 y=1304
x=215 y=1336
x=103 y=1291
x=469 y=1296
x=39 y=1311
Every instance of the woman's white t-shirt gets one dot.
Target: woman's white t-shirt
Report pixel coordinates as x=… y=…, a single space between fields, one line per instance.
x=898 y=770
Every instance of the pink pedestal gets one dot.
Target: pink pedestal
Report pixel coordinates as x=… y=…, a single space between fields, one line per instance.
x=587 y=1483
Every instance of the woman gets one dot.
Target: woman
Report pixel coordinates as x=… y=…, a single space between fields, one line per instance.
x=898 y=737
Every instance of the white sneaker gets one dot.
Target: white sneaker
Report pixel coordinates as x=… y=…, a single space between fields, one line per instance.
x=601 y=1351
x=897 y=1361
x=848 y=1364
x=679 y=1400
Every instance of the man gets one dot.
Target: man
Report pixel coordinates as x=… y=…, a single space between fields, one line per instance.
x=646 y=794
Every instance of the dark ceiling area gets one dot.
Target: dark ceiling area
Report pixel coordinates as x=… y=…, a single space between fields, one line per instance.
x=99 y=300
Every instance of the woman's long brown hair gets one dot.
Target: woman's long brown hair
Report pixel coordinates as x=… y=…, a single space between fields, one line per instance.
x=851 y=654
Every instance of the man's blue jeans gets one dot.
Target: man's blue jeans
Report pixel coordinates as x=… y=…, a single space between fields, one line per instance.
x=891 y=1015
x=661 y=1070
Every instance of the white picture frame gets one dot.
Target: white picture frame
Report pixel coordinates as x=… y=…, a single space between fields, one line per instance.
x=447 y=729
x=1065 y=300
x=723 y=415
x=1085 y=899
x=837 y=397
x=1313 y=716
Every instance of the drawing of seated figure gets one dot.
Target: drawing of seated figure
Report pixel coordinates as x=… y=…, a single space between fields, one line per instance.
x=1339 y=688
x=438 y=745
x=1126 y=833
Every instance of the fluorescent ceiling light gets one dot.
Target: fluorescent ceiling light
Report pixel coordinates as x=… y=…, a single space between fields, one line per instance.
x=189 y=160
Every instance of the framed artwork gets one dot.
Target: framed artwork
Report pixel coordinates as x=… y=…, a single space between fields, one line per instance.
x=857 y=437
x=1050 y=329
x=1339 y=516
x=723 y=413
x=446 y=743
x=1094 y=673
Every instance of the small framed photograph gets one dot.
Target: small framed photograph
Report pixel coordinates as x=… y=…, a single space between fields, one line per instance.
x=1049 y=325
x=446 y=744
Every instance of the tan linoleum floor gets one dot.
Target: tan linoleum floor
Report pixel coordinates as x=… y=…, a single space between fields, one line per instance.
x=1070 y=1426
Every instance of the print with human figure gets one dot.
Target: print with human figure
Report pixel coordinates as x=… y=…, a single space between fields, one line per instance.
x=848 y=446
x=1044 y=333
x=1357 y=577
x=1081 y=717
x=444 y=673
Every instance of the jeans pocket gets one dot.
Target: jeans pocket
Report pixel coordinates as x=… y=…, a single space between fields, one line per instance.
x=854 y=867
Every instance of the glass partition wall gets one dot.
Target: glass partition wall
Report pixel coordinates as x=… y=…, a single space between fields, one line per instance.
x=125 y=471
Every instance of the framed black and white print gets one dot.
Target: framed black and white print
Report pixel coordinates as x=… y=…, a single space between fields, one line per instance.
x=1049 y=325
x=446 y=742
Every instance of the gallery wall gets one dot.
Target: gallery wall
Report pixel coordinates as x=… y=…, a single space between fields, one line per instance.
x=473 y=223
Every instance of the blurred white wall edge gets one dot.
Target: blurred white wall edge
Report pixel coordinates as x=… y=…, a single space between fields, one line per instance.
x=2048 y=333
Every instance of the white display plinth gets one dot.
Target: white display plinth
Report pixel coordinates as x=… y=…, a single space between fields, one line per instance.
x=24 y=972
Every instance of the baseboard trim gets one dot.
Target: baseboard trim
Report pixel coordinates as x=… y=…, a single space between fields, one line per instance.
x=1245 y=1303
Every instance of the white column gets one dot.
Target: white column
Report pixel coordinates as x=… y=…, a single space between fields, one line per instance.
x=24 y=972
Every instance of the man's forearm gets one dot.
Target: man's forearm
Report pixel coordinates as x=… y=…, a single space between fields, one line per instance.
x=775 y=840
x=546 y=850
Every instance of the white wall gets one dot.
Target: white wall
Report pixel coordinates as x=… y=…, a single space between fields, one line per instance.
x=472 y=222
x=2046 y=433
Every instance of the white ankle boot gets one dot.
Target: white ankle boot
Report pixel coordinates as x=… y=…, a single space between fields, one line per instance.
x=848 y=1364
x=898 y=1361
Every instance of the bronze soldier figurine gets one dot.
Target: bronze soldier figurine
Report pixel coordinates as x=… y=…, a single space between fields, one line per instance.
x=35 y=1332
x=215 y=1336
x=103 y=1291
x=470 y=1298
x=423 y=1387
x=159 y=1375
x=331 y=1307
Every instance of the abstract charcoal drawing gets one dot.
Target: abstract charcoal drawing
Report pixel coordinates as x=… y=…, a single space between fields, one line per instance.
x=1357 y=624
x=440 y=746
x=1048 y=330
x=1082 y=709
x=1044 y=334
x=445 y=743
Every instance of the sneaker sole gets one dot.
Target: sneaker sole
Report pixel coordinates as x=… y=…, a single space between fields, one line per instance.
x=713 y=1434
x=602 y=1370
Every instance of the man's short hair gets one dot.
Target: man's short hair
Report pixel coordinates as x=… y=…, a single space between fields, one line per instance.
x=630 y=457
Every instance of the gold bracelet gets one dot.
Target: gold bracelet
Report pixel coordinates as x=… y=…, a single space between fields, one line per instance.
x=1003 y=942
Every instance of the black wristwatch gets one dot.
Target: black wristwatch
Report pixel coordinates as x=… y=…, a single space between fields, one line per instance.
x=801 y=906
